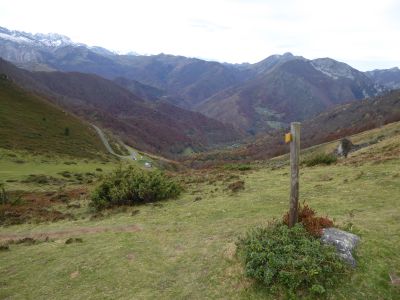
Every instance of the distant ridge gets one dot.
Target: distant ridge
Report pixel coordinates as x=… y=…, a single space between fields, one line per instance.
x=254 y=98
x=338 y=122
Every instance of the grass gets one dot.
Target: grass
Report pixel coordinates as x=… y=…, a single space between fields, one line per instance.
x=32 y=124
x=186 y=247
x=16 y=166
x=320 y=159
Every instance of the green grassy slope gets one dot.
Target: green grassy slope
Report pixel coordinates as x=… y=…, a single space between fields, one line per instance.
x=29 y=123
x=186 y=247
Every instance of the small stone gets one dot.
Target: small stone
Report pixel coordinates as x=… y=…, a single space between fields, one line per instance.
x=343 y=241
x=130 y=256
x=394 y=279
x=74 y=274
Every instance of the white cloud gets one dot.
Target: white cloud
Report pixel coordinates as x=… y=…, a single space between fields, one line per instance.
x=361 y=33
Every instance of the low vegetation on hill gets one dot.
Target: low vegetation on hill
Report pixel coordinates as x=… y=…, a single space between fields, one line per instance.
x=339 y=122
x=32 y=124
x=290 y=261
x=156 y=127
x=205 y=216
x=131 y=186
x=193 y=239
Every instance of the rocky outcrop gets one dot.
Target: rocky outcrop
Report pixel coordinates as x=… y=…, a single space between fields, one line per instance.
x=343 y=241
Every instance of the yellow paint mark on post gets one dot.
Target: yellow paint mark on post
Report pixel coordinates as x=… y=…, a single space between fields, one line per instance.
x=288 y=137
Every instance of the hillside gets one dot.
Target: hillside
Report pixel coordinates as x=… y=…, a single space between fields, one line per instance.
x=30 y=123
x=389 y=78
x=337 y=122
x=255 y=97
x=287 y=90
x=149 y=126
x=196 y=252
x=191 y=80
x=141 y=90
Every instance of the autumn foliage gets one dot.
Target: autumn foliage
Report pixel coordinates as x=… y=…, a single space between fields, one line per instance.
x=312 y=223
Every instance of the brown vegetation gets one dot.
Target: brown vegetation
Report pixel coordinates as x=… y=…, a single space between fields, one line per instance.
x=236 y=186
x=157 y=127
x=312 y=223
x=37 y=207
x=339 y=122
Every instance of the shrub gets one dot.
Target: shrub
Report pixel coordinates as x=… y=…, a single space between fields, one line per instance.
x=236 y=186
x=6 y=198
x=66 y=174
x=290 y=260
x=320 y=159
x=237 y=167
x=132 y=186
x=42 y=179
x=312 y=223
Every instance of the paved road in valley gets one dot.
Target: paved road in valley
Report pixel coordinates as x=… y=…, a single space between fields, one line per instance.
x=132 y=154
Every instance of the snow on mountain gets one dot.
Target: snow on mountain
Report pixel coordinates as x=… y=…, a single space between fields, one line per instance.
x=53 y=40
x=333 y=68
x=17 y=39
x=389 y=78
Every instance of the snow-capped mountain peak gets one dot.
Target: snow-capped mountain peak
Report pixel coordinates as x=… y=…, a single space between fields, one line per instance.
x=53 y=39
x=38 y=40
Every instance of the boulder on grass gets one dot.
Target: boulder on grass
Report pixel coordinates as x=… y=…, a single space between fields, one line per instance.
x=344 y=242
x=345 y=146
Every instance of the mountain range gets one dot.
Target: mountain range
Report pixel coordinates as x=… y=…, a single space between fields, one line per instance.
x=335 y=123
x=170 y=104
x=156 y=127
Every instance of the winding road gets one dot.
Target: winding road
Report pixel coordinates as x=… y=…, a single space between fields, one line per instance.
x=132 y=154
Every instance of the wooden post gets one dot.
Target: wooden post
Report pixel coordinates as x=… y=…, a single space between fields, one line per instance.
x=294 y=172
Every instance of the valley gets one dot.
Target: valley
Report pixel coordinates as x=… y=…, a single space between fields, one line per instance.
x=128 y=176
x=252 y=97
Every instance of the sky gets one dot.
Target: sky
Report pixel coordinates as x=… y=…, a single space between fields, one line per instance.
x=362 y=33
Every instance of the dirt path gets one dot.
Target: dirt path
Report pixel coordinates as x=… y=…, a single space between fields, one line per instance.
x=7 y=237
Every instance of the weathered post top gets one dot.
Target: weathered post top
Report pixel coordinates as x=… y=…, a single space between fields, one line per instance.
x=294 y=172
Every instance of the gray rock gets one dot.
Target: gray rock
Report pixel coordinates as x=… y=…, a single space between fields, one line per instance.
x=344 y=242
x=345 y=146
